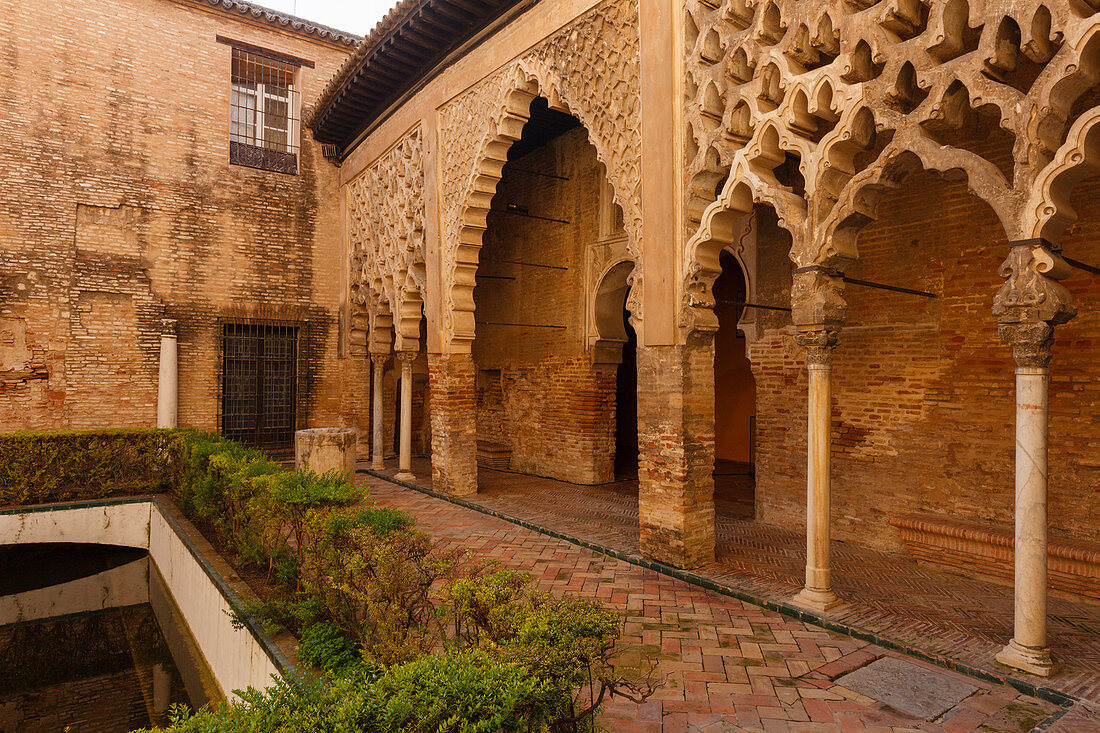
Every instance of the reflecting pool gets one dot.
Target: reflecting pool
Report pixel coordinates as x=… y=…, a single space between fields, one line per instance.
x=91 y=640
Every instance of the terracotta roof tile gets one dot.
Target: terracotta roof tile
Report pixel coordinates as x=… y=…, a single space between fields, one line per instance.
x=286 y=20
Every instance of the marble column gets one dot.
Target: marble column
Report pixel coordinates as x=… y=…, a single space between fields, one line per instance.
x=168 y=376
x=404 y=462
x=378 y=362
x=818 y=595
x=1027 y=308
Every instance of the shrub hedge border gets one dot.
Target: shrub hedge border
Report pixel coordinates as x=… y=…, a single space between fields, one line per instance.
x=1048 y=694
x=66 y=465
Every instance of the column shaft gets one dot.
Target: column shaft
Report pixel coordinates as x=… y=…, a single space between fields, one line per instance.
x=818 y=594
x=168 y=378
x=818 y=468
x=1028 y=649
x=404 y=461
x=377 y=451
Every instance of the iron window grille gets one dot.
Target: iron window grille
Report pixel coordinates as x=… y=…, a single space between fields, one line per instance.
x=262 y=385
x=265 y=104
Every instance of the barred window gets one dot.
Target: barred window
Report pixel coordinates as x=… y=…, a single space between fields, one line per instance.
x=261 y=386
x=264 y=112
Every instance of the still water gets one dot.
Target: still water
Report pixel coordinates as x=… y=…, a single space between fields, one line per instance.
x=91 y=642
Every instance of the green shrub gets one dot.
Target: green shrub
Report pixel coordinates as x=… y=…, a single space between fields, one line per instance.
x=466 y=691
x=326 y=647
x=299 y=705
x=569 y=642
x=375 y=580
x=451 y=692
x=40 y=467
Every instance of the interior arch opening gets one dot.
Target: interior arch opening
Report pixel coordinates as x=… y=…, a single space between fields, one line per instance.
x=734 y=395
x=544 y=405
x=617 y=345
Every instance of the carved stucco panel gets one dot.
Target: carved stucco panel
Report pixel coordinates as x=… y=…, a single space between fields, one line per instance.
x=588 y=68
x=862 y=94
x=386 y=233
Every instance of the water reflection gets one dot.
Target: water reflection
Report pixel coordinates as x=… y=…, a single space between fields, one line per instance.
x=90 y=640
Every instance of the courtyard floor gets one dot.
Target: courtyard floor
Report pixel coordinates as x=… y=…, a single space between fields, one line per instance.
x=730 y=665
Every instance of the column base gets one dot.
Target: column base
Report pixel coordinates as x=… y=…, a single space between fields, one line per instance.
x=404 y=476
x=816 y=599
x=1033 y=660
x=377 y=465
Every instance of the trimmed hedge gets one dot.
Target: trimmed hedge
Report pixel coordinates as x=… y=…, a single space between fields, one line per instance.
x=61 y=465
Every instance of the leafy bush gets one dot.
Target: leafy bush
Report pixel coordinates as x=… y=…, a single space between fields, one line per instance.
x=39 y=467
x=568 y=642
x=325 y=646
x=451 y=692
x=416 y=637
x=374 y=574
x=466 y=690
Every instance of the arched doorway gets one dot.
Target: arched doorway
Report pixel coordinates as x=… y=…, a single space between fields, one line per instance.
x=617 y=345
x=734 y=395
x=542 y=406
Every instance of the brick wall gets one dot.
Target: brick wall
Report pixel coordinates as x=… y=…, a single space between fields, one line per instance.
x=676 y=451
x=923 y=388
x=539 y=393
x=118 y=207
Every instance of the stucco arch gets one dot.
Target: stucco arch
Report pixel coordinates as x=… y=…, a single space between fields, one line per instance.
x=519 y=87
x=608 y=303
x=835 y=244
x=723 y=226
x=1048 y=212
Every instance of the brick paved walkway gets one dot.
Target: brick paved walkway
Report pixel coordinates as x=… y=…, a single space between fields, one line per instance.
x=888 y=594
x=731 y=665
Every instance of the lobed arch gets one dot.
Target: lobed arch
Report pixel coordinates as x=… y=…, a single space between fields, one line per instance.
x=524 y=82
x=835 y=247
x=1048 y=212
x=380 y=337
x=723 y=229
x=611 y=298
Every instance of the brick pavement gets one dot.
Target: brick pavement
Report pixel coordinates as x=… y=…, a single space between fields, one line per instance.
x=731 y=665
x=948 y=615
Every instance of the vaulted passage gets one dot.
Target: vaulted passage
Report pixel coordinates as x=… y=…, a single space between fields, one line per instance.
x=543 y=406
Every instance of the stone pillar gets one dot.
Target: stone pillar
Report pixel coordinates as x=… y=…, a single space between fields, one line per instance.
x=454 y=423
x=404 y=458
x=676 y=451
x=168 y=376
x=1028 y=307
x=378 y=362
x=818 y=594
x=819 y=310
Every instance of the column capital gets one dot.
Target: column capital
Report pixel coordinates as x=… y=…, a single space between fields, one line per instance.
x=168 y=327
x=1031 y=342
x=819 y=343
x=406 y=357
x=1032 y=301
x=379 y=360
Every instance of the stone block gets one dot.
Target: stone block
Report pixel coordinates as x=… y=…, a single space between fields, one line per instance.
x=325 y=449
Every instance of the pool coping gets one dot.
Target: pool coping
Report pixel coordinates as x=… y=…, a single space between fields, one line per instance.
x=165 y=505
x=1047 y=694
